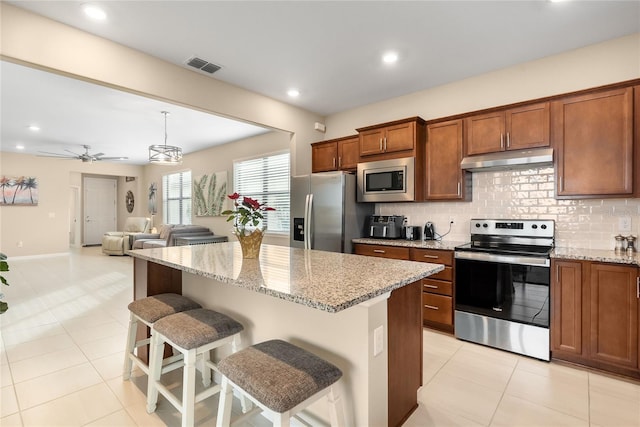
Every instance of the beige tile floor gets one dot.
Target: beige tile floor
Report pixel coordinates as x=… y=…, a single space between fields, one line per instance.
x=61 y=362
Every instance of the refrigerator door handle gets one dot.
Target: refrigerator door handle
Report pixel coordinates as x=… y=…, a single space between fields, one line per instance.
x=309 y=225
x=305 y=229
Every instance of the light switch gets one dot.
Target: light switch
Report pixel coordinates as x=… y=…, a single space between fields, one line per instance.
x=378 y=340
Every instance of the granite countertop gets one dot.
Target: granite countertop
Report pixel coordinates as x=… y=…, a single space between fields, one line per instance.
x=599 y=255
x=420 y=244
x=326 y=281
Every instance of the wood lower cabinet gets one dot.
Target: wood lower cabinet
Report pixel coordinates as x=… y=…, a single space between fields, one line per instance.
x=335 y=154
x=438 y=289
x=382 y=251
x=595 y=318
x=445 y=180
x=513 y=129
x=594 y=144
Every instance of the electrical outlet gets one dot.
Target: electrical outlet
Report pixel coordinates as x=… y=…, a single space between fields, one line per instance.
x=450 y=220
x=378 y=340
x=624 y=224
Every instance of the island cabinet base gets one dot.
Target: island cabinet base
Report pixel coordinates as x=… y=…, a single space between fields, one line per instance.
x=377 y=390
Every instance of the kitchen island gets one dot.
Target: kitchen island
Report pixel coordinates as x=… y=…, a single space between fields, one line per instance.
x=360 y=313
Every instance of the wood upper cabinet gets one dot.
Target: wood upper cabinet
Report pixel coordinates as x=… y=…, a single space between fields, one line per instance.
x=335 y=154
x=401 y=137
x=593 y=137
x=445 y=180
x=566 y=297
x=613 y=322
x=513 y=129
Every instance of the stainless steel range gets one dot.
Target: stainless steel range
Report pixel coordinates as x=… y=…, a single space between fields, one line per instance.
x=502 y=285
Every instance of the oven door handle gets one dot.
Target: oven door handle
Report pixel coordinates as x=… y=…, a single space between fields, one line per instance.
x=504 y=259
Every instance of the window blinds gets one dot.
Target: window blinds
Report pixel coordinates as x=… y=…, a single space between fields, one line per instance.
x=176 y=198
x=266 y=179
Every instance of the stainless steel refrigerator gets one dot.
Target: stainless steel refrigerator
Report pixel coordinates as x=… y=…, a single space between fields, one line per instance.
x=324 y=212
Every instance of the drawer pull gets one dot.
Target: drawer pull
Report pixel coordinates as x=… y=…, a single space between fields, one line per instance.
x=432 y=286
x=432 y=307
x=431 y=256
x=379 y=251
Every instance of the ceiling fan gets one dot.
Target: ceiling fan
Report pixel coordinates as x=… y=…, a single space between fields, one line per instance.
x=85 y=157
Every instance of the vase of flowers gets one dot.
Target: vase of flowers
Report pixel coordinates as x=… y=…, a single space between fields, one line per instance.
x=248 y=223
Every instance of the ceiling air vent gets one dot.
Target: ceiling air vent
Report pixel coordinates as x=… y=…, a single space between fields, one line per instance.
x=202 y=65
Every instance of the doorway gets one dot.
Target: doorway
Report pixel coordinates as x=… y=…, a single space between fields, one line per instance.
x=99 y=203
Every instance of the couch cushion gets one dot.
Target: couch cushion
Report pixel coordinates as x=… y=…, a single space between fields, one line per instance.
x=165 y=230
x=136 y=224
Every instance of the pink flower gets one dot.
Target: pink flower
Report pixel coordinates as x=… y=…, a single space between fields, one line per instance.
x=234 y=196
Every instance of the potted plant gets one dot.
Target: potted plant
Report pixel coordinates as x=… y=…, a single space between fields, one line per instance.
x=4 y=266
x=248 y=226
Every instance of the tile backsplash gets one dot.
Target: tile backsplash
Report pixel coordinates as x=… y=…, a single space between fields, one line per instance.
x=526 y=194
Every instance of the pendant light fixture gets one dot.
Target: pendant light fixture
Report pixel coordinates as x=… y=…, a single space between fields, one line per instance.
x=165 y=154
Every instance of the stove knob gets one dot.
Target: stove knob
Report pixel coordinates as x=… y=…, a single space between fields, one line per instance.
x=534 y=226
x=543 y=226
x=477 y=225
x=485 y=225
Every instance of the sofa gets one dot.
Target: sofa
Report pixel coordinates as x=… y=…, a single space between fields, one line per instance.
x=118 y=242
x=167 y=235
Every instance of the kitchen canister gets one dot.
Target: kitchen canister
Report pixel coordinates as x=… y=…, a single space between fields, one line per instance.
x=631 y=245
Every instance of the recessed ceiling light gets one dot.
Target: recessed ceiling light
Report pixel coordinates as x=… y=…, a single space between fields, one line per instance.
x=94 y=12
x=293 y=93
x=19 y=147
x=34 y=128
x=390 y=57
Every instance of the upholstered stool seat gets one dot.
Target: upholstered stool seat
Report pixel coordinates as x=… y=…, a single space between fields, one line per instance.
x=149 y=310
x=194 y=334
x=281 y=378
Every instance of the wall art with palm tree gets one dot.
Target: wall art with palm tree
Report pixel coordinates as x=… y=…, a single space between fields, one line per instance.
x=19 y=191
x=210 y=194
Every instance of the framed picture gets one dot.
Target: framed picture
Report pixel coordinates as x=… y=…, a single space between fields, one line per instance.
x=210 y=194
x=19 y=191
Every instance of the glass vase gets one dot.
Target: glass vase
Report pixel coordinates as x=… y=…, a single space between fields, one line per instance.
x=250 y=243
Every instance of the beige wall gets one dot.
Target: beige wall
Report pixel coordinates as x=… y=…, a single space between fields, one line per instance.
x=44 y=229
x=220 y=159
x=610 y=62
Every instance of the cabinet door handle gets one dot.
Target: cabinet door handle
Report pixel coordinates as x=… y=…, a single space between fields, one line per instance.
x=339 y=162
x=638 y=287
x=380 y=144
x=561 y=184
x=502 y=141
x=431 y=256
x=334 y=162
x=459 y=186
x=379 y=251
x=432 y=307
x=385 y=144
x=508 y=140
x=431 y=286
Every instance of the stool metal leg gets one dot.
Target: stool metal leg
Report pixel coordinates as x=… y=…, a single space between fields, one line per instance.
x=131 y=343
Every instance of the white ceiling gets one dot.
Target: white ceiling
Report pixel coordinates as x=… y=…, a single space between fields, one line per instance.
x=329 y=50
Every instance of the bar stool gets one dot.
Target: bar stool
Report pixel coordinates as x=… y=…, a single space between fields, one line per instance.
x=281 y=379
x=149 y=310
x=193 y=333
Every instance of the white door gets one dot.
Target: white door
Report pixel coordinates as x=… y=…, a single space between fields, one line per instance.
x=99 y=208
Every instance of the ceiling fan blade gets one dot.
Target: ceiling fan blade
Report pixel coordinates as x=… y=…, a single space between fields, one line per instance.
x=112 y=158
x=97 y=154
x=49 y=154
x=75 y=154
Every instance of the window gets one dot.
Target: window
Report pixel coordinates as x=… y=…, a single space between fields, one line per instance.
x=176 y=198
x=266 y=179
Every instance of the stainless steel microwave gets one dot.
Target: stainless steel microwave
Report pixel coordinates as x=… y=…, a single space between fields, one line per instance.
x=387 y=180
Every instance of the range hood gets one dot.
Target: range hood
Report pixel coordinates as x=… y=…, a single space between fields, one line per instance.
x=509 y=160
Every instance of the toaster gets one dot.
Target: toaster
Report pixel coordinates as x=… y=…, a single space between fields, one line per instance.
x=386 y=226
